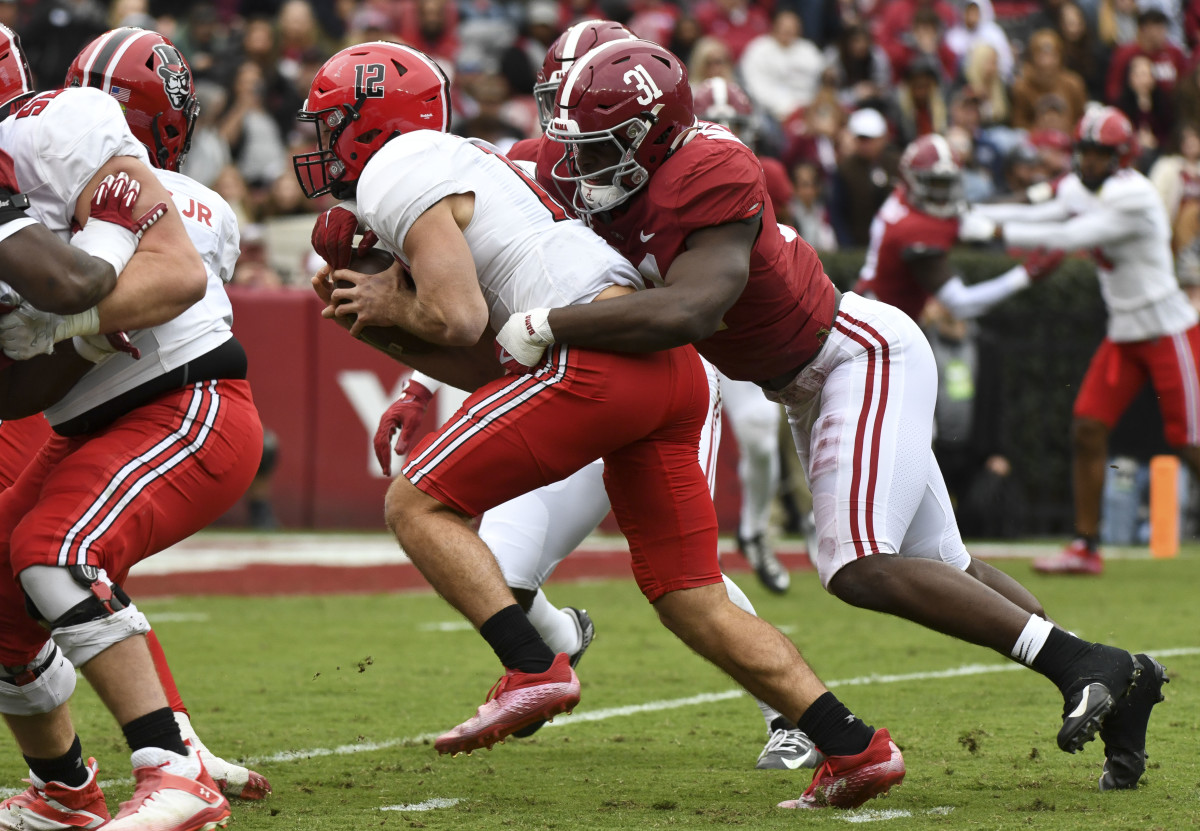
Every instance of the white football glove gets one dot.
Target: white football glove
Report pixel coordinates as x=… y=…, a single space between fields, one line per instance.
x=26 y=332
x=975 y=227
x=526 y=335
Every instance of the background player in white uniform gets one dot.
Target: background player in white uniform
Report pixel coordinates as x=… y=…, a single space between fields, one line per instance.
x=148 y=451
x=1108 y=208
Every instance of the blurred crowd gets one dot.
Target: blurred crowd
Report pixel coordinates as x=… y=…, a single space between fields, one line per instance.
x=836 y=88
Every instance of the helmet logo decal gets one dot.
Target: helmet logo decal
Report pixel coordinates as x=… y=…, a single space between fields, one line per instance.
x=368 y=80
x=174 y=72
x=647 y=89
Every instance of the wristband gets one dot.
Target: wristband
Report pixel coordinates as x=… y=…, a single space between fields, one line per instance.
x=108 y=241
x=86 y=322
x=431 y=384
x=537 y=327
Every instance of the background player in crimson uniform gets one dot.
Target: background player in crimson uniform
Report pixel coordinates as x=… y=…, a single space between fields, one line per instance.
x=471 y=226
x=913 y=232
x=1153 y=334
x=684 y=202
x=755 y=420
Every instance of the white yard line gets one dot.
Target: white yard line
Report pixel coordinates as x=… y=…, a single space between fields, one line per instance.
x=634 y=709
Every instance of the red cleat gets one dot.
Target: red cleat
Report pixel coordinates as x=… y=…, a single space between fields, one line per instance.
x=849 y=781
x=47 y=806
x=1076 y=558
x=518 y=700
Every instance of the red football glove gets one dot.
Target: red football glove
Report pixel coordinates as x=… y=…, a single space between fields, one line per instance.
x=113 y=202
x=333 y=237
x=404 y=415
x=1042 y=263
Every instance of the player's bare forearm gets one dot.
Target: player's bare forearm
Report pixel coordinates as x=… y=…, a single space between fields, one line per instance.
x=166 y=275
x=51 y=275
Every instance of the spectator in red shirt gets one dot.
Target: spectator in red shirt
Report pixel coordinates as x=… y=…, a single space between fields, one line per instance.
x=1169 y=61
x=736 y=22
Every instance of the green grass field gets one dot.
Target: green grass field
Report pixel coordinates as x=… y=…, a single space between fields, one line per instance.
x=336 y=699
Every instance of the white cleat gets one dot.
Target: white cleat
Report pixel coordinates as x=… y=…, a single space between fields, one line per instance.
x=52 y=806
x=173 y=793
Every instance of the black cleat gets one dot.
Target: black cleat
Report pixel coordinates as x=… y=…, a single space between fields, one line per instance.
x=761 y=557
x=1095 y=694
x=1124 y=732
x=588 y=631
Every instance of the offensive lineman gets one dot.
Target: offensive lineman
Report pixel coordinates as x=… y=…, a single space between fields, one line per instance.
x=146 y=451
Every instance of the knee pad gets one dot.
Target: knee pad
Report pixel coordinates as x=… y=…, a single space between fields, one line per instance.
x=39 y=687
x=84 y=610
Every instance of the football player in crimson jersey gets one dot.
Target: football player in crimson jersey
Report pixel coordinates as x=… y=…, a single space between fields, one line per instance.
x=1108 y=208
x=914 y=230
x=685 y=203
x=145 y=452
x=480 y=238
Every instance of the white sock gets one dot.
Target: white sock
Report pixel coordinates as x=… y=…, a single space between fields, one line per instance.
x=1032 y=639
x=558 y=629
x=742 y=602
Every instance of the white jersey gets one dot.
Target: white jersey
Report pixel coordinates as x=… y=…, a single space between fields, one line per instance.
x=528 y=252
x=202 y=327
x=58 y=141
x=1124 y=225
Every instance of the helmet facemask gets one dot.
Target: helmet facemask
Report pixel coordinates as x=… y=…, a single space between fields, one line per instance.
x=321 y=171
x=602 y=189
x=939 y=194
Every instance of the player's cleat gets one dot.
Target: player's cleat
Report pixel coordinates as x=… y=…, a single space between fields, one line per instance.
x=587 y=631
x=1076 y=558
x=52 y=806
x=766 y=565
x=849 y=781
x=172 y=793
x=235 y=781
x=1124 y=733
x=517 y=700
x=1089 y=700
x=789 y=750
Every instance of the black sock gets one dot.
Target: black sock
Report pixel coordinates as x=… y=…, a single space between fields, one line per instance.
x=1059 y=657
x=155 y=729
x=1090 y=541
x=781 y=723
x=68 y=768
x=514 y=640
x=833 y=728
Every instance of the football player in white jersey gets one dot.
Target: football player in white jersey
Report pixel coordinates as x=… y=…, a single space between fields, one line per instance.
x=1109 y=209
x=146 y=451
x=481 y=238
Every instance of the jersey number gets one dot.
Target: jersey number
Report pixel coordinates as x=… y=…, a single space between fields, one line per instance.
x=556 y=210
x=647 y=89
x=35 y=105
x=368 y=80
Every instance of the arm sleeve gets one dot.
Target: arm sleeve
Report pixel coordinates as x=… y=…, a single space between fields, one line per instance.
x=1103 y=226
x=966 y=302
x=1053 y=210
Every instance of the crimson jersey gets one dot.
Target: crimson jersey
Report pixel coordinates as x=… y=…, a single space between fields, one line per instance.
x=903 y=239
x=782 y=316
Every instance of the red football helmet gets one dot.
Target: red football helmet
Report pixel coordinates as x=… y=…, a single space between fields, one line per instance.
x=724 y=102
x=152 y=81
x=360 y=99
x=932 y=176
x=1106 y=129
x=567 y=48
x=621 y=111
x=16 y=79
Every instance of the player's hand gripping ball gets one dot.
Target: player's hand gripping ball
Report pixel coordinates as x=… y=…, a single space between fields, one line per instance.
x=392 y=339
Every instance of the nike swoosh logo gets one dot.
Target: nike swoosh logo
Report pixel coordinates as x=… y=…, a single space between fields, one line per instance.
x=644 y=236
x=505 y=357
x=795 y=764
x=1081 y=708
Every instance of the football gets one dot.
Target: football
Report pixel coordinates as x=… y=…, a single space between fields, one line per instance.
x=391 y=339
